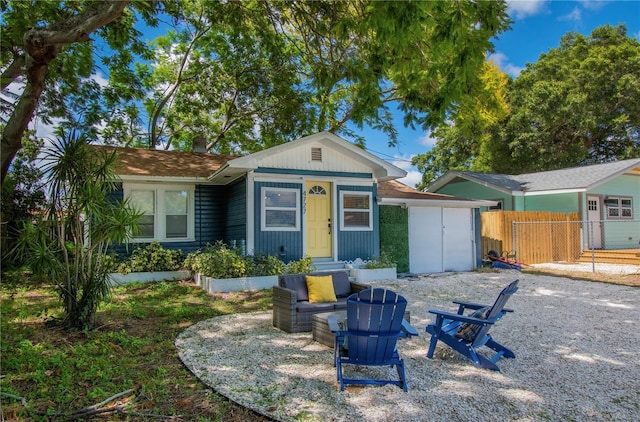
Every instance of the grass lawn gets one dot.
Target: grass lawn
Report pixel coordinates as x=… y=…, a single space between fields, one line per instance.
x=129 y=360
x=47 y=373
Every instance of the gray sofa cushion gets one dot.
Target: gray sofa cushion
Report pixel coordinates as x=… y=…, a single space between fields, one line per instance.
x=341 y=303
x=305 y=306
x=297 y=283
x=341 y=284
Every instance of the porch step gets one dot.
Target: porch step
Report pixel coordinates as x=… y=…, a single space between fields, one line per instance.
x=327 y=264
x=621 y=256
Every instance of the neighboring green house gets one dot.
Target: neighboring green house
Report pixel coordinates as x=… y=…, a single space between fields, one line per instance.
x=607 y=195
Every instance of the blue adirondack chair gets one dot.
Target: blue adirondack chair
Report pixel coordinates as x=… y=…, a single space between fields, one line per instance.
x=468 y=333
x=375 y=322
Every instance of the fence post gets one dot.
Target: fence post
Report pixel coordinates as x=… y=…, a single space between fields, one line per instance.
x=593 y=252
x=514 y=238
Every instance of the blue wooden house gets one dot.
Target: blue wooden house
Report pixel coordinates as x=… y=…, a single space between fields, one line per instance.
x=318 y=196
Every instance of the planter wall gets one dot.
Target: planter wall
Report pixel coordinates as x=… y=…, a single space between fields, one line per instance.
x=363 y=275
x=117 y=278
x=225 y=285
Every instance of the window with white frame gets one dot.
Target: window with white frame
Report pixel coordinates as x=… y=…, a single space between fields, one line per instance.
x=168 y=212
x=357 y=211
x=280 y=209
x=619 y=207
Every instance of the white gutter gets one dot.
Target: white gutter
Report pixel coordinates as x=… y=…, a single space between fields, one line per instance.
x=448 y=203
x=552 y=192
x=163 y=179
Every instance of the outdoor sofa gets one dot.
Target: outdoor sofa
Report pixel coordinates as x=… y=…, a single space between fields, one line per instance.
x=292 y=310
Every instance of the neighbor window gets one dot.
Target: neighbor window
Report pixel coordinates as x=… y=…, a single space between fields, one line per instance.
x=357 y=211
x=280 y=209
x=168 y=212
x=619 y=207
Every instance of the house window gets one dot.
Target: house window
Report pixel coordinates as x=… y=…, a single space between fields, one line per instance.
x=168 y=212
x=280 y=209
x=317 y=190
x=176 y=214
x=357 y=211
x=619 y=207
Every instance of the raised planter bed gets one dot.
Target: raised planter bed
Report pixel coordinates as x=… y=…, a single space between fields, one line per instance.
x=364 y=275
x=146 y=277
x=223 y=285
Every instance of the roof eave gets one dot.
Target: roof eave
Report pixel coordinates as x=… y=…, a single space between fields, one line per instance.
x=450 y=175
x=553 y=192
x=448 y=203
x=163 y=179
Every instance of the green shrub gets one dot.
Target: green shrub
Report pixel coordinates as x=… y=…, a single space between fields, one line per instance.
x=266 y=265
x=385 y=261
x=302 y=266
x=151 y=258
x=217 y=261
x=220 y=261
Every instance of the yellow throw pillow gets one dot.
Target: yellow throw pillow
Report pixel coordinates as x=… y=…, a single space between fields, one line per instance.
x=320 y=289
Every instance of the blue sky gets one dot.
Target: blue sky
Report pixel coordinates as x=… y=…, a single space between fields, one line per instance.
x=537 y=28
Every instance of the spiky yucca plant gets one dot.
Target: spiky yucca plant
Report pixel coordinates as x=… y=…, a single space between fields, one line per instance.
x=68 y=243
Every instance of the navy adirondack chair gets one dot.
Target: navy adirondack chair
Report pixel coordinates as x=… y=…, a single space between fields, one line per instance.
x=468 y=333
x=375 y=322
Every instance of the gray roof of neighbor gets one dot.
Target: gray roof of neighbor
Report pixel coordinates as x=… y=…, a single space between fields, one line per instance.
x=571 y=178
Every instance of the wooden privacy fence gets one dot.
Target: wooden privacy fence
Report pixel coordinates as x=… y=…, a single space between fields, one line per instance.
x=539 y=236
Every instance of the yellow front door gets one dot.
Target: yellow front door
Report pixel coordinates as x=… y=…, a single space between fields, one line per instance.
x=318 y=219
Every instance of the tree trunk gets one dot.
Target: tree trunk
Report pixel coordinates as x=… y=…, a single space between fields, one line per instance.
x=22 y=114
x=41 y=46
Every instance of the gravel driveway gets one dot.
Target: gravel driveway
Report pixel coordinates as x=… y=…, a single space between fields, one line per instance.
x=577 y=345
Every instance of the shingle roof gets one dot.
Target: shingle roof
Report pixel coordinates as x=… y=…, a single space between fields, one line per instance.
x=395 y=189
x=574 y=178
x=160 y=163
x=584 y=177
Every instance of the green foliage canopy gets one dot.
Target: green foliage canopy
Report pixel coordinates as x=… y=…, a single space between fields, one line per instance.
x=578 y=104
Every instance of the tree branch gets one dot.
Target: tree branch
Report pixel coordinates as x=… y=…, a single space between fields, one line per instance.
x=43 y=45
x=76 y=28
x=15 y=69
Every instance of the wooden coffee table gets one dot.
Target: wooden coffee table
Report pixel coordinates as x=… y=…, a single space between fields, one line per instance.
x=320 y=327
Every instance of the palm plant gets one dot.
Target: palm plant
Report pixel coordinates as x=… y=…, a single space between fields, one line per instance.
x=68 y=243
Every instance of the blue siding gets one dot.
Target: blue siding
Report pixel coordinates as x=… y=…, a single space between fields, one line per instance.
x=359 y=244
x=209 y=220
x=210 y=204
x=236 y=213
x=287 y=244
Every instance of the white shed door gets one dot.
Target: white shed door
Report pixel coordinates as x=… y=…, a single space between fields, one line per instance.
x=440 y=239
x=457 y=239
x=425 y=239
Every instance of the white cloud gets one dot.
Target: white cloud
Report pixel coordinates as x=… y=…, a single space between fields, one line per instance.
x=574 y=16
x=412 y=178
x=426 y=140
x=502 y=61
x=521 y=9
x=100 y=79
x=593 y=4
x=402 y=161
x=413 y=175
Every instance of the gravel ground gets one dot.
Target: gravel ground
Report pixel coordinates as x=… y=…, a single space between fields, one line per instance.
x=577 y=346
x=616 y=269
